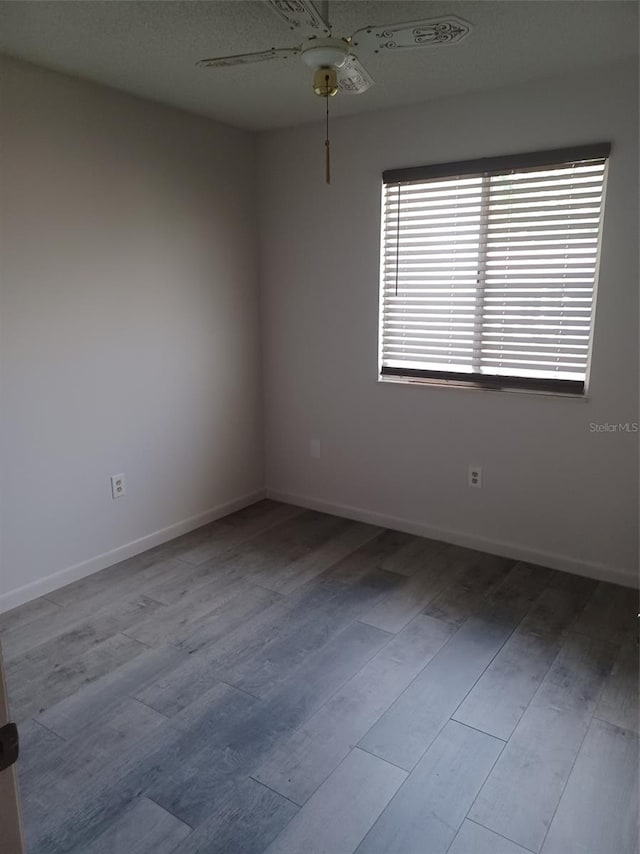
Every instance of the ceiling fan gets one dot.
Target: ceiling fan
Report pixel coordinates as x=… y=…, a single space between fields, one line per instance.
x=336 y=65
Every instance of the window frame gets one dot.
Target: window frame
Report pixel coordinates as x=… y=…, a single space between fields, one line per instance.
x=485 y=167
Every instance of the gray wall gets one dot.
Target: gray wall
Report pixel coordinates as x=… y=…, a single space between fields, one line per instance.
x=554 y=492
x=129 y=325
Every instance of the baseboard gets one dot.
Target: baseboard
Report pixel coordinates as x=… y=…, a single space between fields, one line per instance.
x=566 y=563
x=87 y=567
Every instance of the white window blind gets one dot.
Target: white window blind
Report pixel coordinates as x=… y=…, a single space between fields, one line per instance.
x=489 y=268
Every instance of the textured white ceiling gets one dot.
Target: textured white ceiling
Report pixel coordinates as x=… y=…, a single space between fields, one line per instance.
x=149 y=48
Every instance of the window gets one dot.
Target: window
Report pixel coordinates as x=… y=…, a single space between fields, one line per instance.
x=488 y=269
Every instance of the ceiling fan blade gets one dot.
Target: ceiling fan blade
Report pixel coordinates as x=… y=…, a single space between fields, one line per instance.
x=429 y=33
x=247 y=58
x=301 y=16
x=353 y=77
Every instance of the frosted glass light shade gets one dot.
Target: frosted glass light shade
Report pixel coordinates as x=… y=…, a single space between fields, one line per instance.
x=326 y=54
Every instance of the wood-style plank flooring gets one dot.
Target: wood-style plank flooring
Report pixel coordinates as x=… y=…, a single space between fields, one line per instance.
x=287 y=681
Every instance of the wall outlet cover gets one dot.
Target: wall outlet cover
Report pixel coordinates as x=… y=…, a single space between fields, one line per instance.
x=118 y=486
x=475 y=477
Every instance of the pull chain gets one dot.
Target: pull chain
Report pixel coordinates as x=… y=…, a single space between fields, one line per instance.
x=327 y=144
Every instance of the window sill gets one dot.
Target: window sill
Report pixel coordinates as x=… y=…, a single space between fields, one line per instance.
x=469 y=386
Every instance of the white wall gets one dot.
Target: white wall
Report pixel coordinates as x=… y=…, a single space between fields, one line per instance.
x=129 y=325
x=553 y=491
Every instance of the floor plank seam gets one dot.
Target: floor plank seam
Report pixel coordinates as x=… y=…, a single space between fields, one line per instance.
x=633 y=732
x=405 y=689
x=540 y=684
x=489 y=772
x=238 y=688
x=353 y=675
x=142 y=643
x=48 y=729
x=276 y=792
x=135 y=699
x=208 y=563
x=501 y=835
x=375 y=755
x=573 y=765
x=155 y=601
x=177 y=818
x=497 y=652
x=477 y=729
x=616 y=643
x=267 y=589
x=347 y=679
x=243 y=541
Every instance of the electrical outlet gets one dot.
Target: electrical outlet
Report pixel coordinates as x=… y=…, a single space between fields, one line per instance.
x=475 y=477
x=118 y=486
x=314 y=449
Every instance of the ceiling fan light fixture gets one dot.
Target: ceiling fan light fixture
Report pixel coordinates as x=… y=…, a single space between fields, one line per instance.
x=325 y=53
x=325 y=82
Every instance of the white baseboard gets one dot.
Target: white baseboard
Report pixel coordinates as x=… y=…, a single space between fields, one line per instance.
x=87 y=567
x=589 y=569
